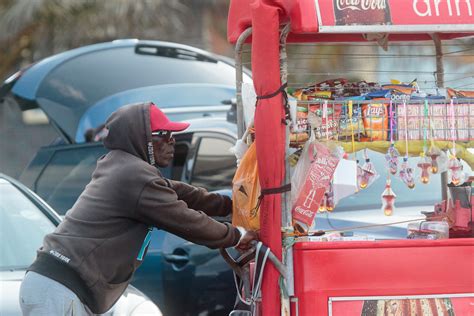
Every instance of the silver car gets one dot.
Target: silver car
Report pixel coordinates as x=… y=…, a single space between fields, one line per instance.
x=24 y=220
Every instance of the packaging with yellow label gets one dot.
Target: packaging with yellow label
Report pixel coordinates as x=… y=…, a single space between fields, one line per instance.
x=375 y=118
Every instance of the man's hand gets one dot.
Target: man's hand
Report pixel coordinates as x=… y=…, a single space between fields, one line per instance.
x=246 y=238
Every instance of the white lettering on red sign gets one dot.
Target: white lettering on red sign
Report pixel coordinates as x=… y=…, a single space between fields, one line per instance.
x=438 y=7
x=361 y=5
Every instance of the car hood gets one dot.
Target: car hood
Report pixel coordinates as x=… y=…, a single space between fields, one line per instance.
x=10 y=282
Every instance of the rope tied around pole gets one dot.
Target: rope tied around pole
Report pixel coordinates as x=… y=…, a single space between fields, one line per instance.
x=286 y=105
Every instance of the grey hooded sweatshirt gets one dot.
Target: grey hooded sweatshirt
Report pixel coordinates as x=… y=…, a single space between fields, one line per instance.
x=101 y=242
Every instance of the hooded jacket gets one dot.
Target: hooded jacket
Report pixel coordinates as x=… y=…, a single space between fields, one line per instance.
x=101 y=242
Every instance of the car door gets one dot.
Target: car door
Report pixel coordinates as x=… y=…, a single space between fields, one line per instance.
x=209 y=282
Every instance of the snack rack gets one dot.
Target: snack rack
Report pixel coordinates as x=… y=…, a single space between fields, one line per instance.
x=343 y=278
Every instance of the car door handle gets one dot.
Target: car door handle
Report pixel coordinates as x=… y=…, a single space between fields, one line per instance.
x=173 y=258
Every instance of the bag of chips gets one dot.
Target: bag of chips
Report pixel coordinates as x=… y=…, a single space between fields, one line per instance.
x=351 y=124
x=324 y=120
x=375 y=118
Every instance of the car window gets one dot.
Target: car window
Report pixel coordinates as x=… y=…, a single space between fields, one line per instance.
x=70 y=169
x=66 y=176
x=22 y=228
x=214 y=165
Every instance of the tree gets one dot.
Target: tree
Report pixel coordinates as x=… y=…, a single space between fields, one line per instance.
x=40 y=28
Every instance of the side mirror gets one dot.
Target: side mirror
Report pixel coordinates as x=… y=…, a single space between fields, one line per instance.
x=232 y=113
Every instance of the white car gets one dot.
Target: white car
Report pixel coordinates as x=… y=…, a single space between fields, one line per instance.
x=24 y=220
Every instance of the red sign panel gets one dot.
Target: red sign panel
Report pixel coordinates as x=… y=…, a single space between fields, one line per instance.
x=426 y=306
x=405 y=16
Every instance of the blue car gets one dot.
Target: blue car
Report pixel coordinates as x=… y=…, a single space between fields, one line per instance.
x=80 y=88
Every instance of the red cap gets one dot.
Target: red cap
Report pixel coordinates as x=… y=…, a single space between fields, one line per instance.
x=160 y=122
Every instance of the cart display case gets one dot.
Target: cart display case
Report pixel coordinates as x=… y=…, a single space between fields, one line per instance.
x=373 y=277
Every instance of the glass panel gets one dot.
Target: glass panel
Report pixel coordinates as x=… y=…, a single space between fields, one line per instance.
x=70 y=170
x=66 y=176
x=22 y=228
x=422 y=194
x=215 y=164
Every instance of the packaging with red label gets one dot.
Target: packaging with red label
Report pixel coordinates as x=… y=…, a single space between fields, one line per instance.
x=324 y=120
x=452 y=93
x=336 y=86
x=375 y=117
x=447 y=121
x=410 y=121
x=315 y=182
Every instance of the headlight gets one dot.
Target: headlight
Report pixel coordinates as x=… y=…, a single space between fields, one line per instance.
x=146 y=308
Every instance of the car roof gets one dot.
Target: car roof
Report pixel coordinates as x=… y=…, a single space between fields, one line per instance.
x=211 y=125
x=193 y=98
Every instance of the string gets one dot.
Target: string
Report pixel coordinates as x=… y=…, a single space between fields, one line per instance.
x=406 y=129
x=349 y=105
x=453 y=132
x=425 y=127
x=325 y=117
x=391 y=123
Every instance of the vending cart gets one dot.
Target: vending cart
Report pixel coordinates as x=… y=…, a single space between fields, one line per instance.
x=332 y=270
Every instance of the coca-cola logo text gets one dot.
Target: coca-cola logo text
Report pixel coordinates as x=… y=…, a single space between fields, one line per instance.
x=361 y=5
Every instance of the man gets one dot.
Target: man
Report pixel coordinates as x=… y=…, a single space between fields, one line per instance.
x=86 y=264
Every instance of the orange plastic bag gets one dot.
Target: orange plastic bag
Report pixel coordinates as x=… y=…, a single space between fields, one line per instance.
x=245 y=192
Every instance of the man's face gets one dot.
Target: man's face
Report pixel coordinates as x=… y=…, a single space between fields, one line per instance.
x=163 y=147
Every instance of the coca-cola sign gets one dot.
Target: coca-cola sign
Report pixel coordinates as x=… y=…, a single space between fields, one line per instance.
x=362 y=12
x=364 y=5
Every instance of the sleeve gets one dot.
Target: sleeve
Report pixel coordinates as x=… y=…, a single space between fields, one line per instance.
x=159 y=206
x=213 y=204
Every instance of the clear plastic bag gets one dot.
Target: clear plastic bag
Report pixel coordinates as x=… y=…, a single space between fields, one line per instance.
x=311 y=180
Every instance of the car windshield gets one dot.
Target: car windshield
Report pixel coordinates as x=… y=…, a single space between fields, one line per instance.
x=22 y=228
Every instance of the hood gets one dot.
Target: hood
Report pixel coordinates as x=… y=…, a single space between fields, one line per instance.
x=10 y=282
x=129 y=130
x=65 y=86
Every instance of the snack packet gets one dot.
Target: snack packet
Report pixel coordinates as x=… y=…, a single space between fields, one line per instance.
x=375 y=118
x=336 y=86
x=324 y=120
x=410 y=121
x=347 y=126
x=452 y=93
x=407 y=89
